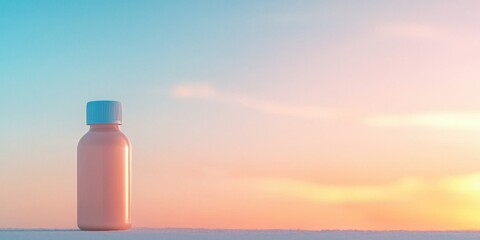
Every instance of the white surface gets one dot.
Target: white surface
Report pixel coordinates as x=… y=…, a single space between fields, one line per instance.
x=200 y=234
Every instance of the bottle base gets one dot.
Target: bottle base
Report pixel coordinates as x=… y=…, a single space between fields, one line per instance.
x=104 y=228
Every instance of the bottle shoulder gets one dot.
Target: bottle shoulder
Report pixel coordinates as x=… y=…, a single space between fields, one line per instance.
x=104 y=138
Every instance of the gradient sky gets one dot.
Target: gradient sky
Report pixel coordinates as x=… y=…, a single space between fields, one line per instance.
x=249 y=114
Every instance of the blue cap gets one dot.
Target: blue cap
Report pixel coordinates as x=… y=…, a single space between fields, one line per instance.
x=104 y=112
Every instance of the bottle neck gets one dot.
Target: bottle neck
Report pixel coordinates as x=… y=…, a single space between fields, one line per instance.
x=104 y=127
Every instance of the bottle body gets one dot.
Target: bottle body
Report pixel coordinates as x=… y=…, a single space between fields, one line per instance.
x=104 y=179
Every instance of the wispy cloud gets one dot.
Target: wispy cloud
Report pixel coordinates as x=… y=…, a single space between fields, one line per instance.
x=465 y=185
x=342 y=193
x=193 y=90
x=444 y=120
x=452 y=120
x=405 y=200
x=445 y=36
x=208 y=92
x=411 y=30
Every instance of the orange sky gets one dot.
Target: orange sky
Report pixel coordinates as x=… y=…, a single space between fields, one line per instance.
x=250 y=114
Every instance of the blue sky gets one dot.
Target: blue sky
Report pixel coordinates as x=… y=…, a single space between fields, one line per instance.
x=58 y=55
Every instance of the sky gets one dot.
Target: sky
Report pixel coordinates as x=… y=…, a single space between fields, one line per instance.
x=248 y=114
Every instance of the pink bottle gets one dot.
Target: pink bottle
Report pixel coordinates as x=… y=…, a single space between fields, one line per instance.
x=104 y=170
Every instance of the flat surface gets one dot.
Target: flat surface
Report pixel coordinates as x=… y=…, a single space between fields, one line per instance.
x=200 y=234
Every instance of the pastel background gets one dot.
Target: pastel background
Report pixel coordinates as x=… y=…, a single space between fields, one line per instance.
x=249 y=114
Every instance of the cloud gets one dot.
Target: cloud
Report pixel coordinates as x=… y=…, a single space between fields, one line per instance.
x=344 y=193
x=446 y=37
x=466 y=121
x=411 y=30
x=449 y=203
x=441 y=120
x=208 y=92
x=189 y=90
x=462 y=186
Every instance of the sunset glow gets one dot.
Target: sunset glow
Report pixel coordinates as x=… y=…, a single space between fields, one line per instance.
x=248 y=114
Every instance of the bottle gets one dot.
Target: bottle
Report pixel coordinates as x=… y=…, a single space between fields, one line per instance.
x=104 y=170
